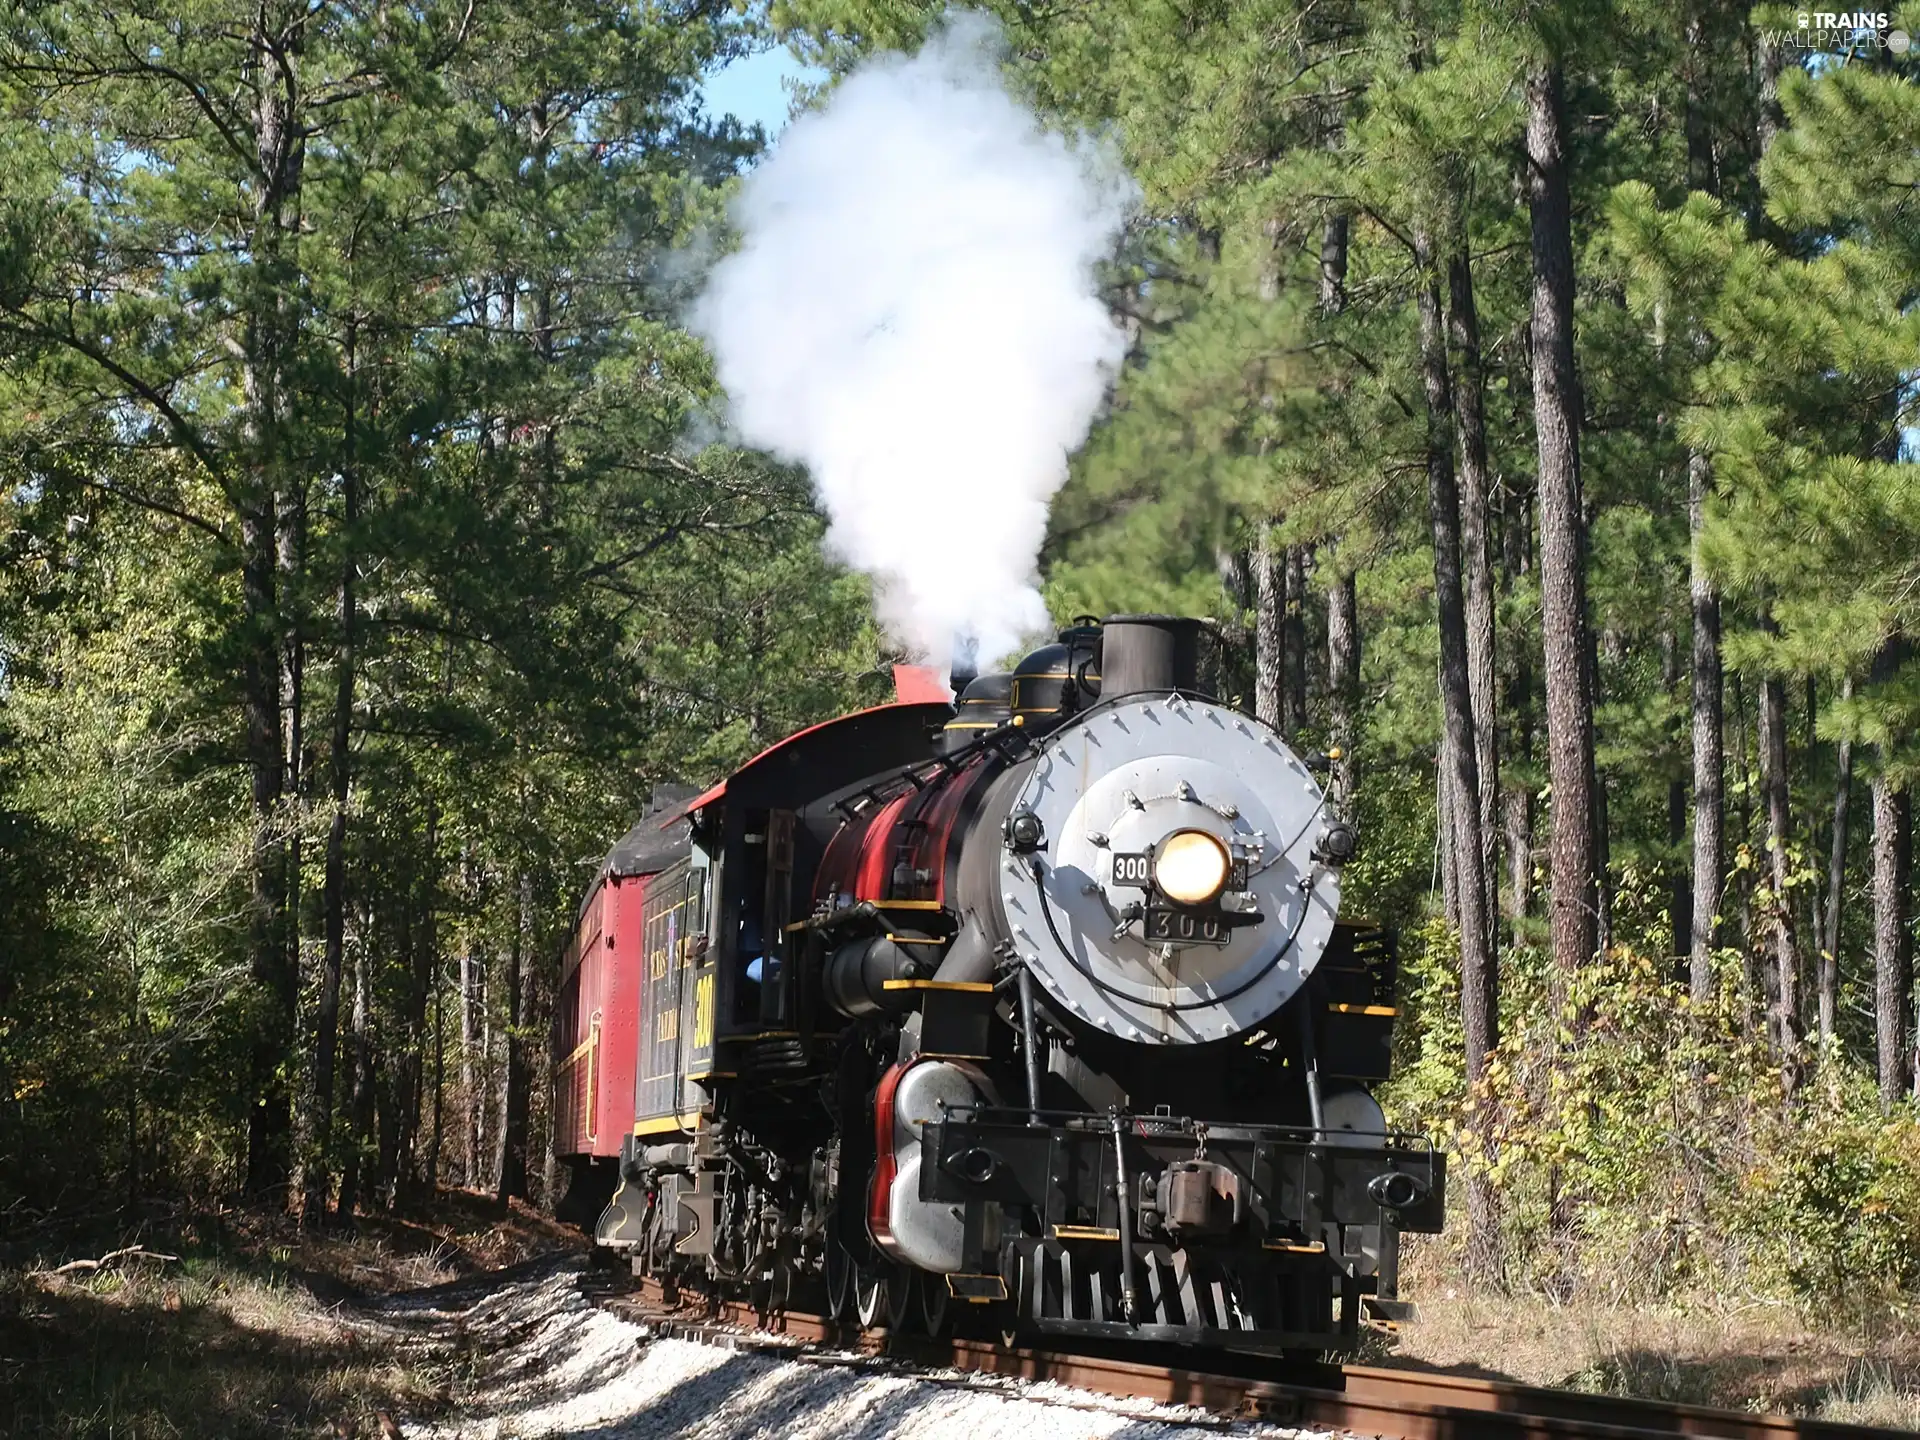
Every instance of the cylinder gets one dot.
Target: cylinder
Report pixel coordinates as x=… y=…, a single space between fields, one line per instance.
x=857 y=973
x=1145 y=653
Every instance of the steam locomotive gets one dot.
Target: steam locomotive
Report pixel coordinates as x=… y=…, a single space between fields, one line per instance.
x=1033 y=1011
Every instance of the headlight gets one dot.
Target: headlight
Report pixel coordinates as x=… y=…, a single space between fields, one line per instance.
x=1191 y=867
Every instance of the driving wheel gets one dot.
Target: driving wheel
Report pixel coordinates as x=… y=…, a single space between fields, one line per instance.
x=872 y=1299
x=841 y=1280
x=903 y=1300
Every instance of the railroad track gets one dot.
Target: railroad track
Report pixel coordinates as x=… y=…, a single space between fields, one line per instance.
x=1358 y=1399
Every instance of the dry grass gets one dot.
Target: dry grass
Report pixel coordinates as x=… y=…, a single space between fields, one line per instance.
x=1738 y=1355
x=256 y=1330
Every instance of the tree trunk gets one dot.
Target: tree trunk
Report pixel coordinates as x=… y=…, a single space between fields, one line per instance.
x=439 y=1071
x=1767 y=115
x=1786 y=965
x=1573 y=900
x=1702 y=171
x=1333 y=264
x=1444 y=832
x=1602 y=836
x=289 y=565
x=471 y=999
x=279 y=152
x=389 y=1098
x=340 y=783
x=1343 y=682
x=537 y=1006
x=1892 y=959
x=269 y=1119
x=1296 y=641
x=1679 y=882
x=1708 y=681
x=1836 y=878
x=1476 y=563
x=514 y=1099
x=403 y=1124
x=1334 y=228
x=424 y=958
x=1460 y=784
x=1516 y=799
x=360 y=1107
x=1709 y=761
x=1343 y=603
x=1750 y=980
x=1269 y=629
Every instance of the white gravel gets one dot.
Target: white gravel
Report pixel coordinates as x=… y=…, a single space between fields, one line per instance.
x=547 y=1362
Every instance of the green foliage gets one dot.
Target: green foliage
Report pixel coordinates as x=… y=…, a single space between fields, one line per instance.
x=420 y=366
x=1838 y=1210
x=1660 y=1125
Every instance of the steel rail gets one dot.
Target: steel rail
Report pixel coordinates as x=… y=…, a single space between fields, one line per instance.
x=1358 y=1399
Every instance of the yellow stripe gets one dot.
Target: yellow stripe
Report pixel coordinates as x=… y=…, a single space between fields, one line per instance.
x=1084 y=1232
x=689 y=1121
x=977 y=987
x=1363 y=1009
x=593 y=1090
x=908 y=905
x=998 y=1284
x=1316 y=1247
x=913 y=940
x=973 y=724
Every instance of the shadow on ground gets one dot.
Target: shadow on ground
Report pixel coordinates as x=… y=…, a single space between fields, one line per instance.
x=142 y=1359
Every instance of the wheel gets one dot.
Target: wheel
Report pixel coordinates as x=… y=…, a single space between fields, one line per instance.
x=840 y=1280
x=871 y=1300
x=936 y=1304
x=904 y=1289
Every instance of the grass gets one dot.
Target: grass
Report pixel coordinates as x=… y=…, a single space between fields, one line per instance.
x=1726 y=1352
x=261 y=1330
x=257 y=1330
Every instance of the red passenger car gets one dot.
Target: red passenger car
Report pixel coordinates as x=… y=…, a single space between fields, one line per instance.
x=596 y=1017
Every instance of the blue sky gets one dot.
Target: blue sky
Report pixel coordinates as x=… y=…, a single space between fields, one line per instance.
x=753 y=89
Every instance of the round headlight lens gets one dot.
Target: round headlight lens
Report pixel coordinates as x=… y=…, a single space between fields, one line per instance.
x=1191 y=867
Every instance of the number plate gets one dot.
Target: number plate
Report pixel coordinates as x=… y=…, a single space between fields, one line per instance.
x=1136 y=869
x=1185 y=927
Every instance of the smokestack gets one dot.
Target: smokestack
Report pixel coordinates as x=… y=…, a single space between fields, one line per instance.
x=966 y=663
x=1146 y=653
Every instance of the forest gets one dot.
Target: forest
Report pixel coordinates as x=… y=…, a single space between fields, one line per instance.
x=1525 y=391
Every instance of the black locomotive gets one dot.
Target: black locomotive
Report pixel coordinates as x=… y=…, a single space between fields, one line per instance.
x=1033 y=1011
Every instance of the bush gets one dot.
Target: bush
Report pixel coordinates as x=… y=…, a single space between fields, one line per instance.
x=1639 y=1147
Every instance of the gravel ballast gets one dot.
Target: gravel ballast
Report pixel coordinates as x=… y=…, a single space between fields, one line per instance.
x=543 y=1361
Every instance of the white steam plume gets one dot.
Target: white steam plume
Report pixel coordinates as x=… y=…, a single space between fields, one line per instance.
x=912 y=315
